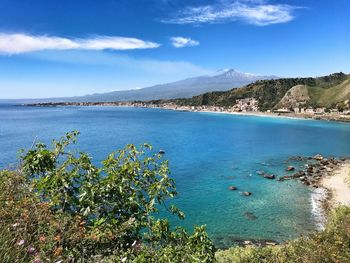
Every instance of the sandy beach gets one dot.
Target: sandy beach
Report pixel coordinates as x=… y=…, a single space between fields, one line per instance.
x=338 y=185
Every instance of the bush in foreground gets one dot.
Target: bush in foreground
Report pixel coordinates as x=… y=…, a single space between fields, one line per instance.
x=59 y=207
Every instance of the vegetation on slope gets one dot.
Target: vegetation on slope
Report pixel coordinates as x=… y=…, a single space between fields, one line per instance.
x=323 y=91
x=330 y=96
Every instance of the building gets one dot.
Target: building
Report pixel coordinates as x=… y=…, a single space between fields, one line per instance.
x=247 y=104
x=309 y=111
x=320 y=111
x=282 y=110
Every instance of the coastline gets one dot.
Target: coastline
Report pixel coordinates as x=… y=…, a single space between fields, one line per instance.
x=259 y=114
x=324 y=117
x=337 y=186
x=203 y=109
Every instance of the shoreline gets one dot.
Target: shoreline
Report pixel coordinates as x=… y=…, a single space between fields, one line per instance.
x=259 y=114
x=296 y=116
x=337 y=186
x=333 y=191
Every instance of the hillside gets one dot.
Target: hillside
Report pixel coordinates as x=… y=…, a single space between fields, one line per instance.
x=327 y=91
x=332 y=95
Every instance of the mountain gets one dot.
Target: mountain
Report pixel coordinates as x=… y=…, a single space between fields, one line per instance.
x=327 y=91
x=222 y=80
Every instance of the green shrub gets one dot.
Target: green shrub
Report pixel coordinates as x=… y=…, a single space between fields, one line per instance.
x=59 y=206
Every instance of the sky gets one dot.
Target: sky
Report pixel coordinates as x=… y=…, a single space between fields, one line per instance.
x=54 y=48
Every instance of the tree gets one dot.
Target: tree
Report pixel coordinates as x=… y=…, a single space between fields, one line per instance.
x=105 y=213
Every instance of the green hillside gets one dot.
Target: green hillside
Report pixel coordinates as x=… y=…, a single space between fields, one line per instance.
x=327 y=91
x=331 y=95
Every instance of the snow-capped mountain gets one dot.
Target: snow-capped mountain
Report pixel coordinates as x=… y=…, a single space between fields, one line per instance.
x=238 y=76
x=221 y=80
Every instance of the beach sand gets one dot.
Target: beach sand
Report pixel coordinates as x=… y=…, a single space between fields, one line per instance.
x=338 y=185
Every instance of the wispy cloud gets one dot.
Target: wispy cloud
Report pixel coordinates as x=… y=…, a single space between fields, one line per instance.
x=154 y=68
x=85 y=72
x=23 y=43
x=259 y=13
x=179 y=42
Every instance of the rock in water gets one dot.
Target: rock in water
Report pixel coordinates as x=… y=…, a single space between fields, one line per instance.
x=318 y=157
x=250 y=216
x=290 y=168
x=269 y=176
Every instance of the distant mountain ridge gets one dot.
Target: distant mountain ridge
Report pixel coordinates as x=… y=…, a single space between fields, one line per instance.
x=221 y=80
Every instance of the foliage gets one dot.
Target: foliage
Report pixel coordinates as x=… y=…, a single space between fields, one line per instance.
x=330 y=245
x=65 y=208
x=323 y=91
x=29 y=229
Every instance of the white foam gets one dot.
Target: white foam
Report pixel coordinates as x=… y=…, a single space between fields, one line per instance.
x=318 y=196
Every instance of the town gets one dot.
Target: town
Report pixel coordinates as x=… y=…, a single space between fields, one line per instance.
x=246 y=106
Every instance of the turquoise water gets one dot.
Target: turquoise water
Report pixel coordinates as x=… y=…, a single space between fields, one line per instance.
x=207 y=153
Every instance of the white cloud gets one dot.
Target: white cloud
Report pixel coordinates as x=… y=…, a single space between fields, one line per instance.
x=179 y=42
x=23 y=43
x=258 y=13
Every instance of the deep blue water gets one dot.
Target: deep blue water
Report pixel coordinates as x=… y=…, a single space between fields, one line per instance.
x=207 y=153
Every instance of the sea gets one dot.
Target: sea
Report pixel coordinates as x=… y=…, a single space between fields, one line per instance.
x=207 y=153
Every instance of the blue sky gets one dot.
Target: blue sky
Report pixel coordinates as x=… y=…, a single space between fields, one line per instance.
x=74 y=47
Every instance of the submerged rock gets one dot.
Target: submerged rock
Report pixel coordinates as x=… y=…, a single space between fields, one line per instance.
x=283 y=178
x=299 y=174
x=297 y=158
x=250 y=216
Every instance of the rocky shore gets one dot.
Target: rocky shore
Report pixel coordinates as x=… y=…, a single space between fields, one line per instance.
x=325 y=173
x=314 y=169
x=328 y=177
